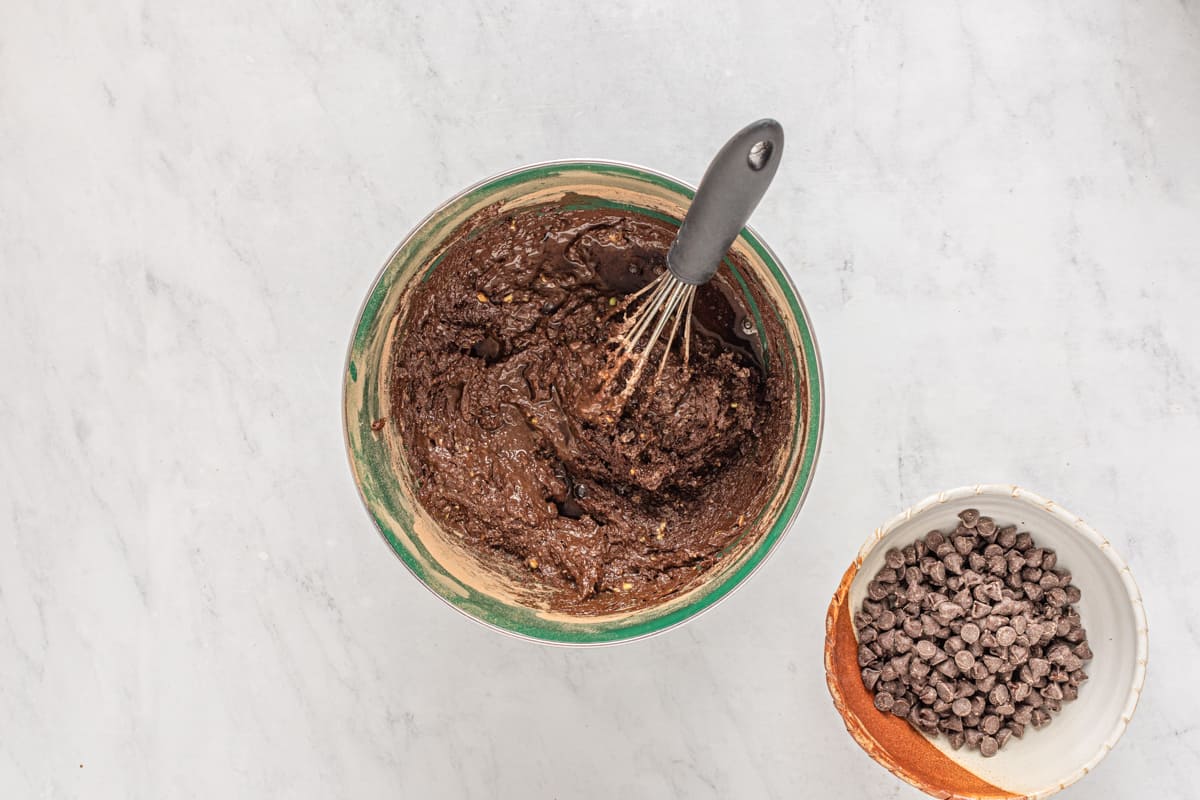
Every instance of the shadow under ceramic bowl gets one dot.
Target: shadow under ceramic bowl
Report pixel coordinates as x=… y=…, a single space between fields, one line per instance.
x=1045 y=760
x=377 y=457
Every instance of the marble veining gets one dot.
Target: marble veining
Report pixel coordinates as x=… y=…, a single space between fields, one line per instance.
x=992 y=212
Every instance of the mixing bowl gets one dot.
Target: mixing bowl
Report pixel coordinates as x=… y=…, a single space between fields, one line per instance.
x=1045 y=760
x=377 y=456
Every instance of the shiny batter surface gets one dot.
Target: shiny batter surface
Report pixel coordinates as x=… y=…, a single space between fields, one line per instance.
x=494 y=369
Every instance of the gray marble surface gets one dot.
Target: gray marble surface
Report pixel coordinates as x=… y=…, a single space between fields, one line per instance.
x=992 y=211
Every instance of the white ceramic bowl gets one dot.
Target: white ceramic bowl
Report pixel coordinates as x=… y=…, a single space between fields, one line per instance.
x=1045 y=760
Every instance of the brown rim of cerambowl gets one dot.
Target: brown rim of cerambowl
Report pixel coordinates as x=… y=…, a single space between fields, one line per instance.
x=838 y=623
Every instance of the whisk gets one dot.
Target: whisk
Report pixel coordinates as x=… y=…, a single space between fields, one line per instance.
x=732 y=185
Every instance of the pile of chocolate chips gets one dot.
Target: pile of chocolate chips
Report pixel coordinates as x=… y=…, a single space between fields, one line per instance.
x=972 y=633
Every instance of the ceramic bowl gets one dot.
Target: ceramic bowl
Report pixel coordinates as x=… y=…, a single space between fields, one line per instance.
x=377 y=458
x=1045 y=760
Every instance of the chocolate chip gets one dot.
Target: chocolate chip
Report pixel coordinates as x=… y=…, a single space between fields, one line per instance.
x=1006 y=635
x=949 y=611
x=925 y=649
x=988 y=746
x=884 y=701
x=865 y=656
x=948 y=668
x=1007 y=536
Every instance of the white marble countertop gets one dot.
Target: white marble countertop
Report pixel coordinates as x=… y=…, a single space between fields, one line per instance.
x=992 y=211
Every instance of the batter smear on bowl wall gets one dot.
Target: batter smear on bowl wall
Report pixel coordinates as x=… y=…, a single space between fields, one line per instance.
x=494 y=388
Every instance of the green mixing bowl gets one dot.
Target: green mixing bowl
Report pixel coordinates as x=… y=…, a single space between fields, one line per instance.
x=377 y=456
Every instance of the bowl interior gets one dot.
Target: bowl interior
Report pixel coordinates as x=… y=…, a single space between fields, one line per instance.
x=377 y=459
x=1044 y=760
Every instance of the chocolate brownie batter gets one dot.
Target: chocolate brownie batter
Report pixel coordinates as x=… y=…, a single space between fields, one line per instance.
x=496 y=369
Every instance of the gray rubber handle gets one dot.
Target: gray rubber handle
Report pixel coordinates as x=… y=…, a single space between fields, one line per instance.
x=729 y=192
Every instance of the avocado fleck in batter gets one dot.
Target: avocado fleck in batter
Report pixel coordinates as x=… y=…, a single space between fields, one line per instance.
x=493 y=368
